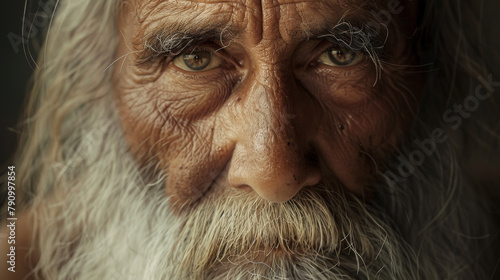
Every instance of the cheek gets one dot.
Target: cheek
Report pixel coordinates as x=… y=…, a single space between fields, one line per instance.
x=348 y=87
x=167 y=105
x=170 y=122
x=360 y=130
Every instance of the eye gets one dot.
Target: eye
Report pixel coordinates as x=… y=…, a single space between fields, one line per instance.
x=197 y=61
x=340 y=57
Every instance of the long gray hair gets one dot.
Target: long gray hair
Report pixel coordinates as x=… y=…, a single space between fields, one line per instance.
x=428 y=225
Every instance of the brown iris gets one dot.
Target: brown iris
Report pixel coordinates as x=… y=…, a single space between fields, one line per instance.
x=341 y=57
x=197 y=60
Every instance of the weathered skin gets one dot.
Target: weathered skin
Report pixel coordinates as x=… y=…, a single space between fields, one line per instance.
x=271 y=118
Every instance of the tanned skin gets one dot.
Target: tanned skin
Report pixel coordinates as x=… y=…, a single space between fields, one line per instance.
x=270 y=113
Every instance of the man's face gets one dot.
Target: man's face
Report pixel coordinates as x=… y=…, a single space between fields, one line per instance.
x=264 y=96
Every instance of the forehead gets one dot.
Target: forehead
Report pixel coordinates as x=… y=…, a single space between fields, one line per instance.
x=264 y=19
x=250 y=7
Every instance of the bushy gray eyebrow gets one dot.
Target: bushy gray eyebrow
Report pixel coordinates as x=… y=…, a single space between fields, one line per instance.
x=356 y=38
x=175 y=39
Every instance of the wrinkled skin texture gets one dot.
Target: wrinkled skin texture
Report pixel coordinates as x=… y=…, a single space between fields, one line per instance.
x=269 y=118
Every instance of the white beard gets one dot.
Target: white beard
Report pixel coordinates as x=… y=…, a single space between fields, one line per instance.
x=111 y=223
x=100 y=218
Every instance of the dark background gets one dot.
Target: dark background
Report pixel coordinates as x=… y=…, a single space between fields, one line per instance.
x=16 y=66
x=14 y=74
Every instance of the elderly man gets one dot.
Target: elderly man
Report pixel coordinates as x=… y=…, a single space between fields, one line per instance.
x=253 y=139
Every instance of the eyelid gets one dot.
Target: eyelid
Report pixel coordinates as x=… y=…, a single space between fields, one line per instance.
x=326 y=46
x=216 y=50
x=213 y=62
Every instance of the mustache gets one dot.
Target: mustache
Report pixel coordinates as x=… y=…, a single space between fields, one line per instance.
x=230 y=226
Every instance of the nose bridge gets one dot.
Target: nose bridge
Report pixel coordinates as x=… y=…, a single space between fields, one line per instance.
x=273 y=123
x=269 y=155
x=277 y=95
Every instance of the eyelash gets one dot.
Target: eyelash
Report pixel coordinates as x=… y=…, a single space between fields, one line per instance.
x=207 y=46
x=337 y=46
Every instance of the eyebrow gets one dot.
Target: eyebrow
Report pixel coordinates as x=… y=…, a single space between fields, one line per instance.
x=355 y=35
x=172 y=40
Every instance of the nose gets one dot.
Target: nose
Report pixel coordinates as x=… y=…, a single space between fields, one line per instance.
x=273 y=155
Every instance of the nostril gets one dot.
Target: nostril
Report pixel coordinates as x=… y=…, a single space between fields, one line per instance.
x=244 y=187
x=312 y=156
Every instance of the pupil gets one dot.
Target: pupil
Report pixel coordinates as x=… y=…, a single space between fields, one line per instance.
x=197 y=61
x=340 y=58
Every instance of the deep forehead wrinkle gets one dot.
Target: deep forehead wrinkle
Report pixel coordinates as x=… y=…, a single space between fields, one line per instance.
x=168 y=28
x=287 y=17
x=254 y=5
